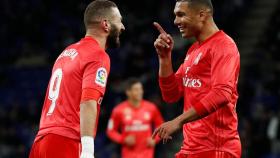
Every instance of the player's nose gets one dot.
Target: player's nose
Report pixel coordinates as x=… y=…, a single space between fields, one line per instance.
x=176 y=21
x=122 y=27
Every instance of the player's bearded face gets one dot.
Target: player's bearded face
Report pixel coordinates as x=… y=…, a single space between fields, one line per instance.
x=113 y=38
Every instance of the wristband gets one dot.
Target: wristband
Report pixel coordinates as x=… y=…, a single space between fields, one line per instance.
x=87 y=144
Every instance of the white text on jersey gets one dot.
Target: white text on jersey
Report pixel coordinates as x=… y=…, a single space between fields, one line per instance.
x=72 y=53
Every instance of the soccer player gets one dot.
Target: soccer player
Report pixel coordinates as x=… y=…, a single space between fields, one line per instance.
x=206 y=80
x=76 y=88
x=132 y=122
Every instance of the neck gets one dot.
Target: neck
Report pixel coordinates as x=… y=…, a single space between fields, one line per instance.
x=134 y=103
x=98 y=37
x=209 y=29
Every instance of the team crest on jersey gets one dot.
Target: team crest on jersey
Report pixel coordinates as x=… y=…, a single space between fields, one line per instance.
x=127 y=114
x=127 y=111
x=101 y=77
x=128 y=117
x=196 y=61
x=147 y=116
x=187 y=57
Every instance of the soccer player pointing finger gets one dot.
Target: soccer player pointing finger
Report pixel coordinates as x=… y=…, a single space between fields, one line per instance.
x=206 y=80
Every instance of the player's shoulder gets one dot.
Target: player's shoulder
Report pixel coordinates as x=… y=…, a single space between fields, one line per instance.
x=89 y=49
x=226 y=44
x=149 y=104
x=122 y=105
x=225 y=40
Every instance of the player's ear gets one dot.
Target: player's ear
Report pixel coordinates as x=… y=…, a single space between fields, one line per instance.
x=203 y=14
x=105 y=25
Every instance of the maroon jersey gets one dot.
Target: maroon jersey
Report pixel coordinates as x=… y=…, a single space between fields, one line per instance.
x=207 y=80
x=139 y=122
x=83 y=65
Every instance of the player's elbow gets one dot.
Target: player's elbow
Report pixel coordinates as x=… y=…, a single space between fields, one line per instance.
x=225 y=91
x=89 y=105
x=169 y=98
x=224 y=95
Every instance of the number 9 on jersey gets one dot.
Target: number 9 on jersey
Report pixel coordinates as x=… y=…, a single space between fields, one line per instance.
x=54 y=89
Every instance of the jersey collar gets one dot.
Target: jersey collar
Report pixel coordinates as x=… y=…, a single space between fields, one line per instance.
x=133 y=107
x=90 y=38
x=211 y=37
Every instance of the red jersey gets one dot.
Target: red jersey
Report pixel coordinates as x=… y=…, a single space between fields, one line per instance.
x=83 y=65
x=139 y=122
x=207 y=80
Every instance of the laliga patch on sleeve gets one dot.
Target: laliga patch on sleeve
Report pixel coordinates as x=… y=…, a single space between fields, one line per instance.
x=101 y=77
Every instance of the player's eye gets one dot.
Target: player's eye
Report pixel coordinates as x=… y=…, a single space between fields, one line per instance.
x=180 y=14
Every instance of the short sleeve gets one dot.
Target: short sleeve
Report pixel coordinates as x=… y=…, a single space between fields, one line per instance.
x=95 y=75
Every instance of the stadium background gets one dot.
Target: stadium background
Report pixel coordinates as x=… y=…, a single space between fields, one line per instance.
x=34 y=32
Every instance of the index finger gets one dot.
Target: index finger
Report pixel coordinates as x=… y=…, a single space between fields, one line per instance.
x=155 y=133
x=159 y=28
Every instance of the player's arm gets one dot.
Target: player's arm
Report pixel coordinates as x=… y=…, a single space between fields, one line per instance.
x=88 y=114
x=113 y=128
x=95 y=73
x=113 y=131
x=171 y=87
x=164 y=45
x=88 y=120
x=167 y=79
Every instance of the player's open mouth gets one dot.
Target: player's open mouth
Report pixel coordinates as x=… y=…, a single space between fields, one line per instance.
x=181 y=29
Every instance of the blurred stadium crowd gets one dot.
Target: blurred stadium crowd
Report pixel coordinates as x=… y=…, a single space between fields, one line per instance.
x=34 y=32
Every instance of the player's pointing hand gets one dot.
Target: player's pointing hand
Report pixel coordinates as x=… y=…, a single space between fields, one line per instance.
x=164 y=43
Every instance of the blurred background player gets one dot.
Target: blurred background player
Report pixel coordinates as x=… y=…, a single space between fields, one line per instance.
x=207 y=80
x=132 y=121
x=77 y=86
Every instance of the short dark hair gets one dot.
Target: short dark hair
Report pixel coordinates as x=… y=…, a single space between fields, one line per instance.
x=130 y=82
x=199 y=3
x=96 y=10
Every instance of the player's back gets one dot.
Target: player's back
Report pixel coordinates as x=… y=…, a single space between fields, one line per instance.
x=71 y=73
